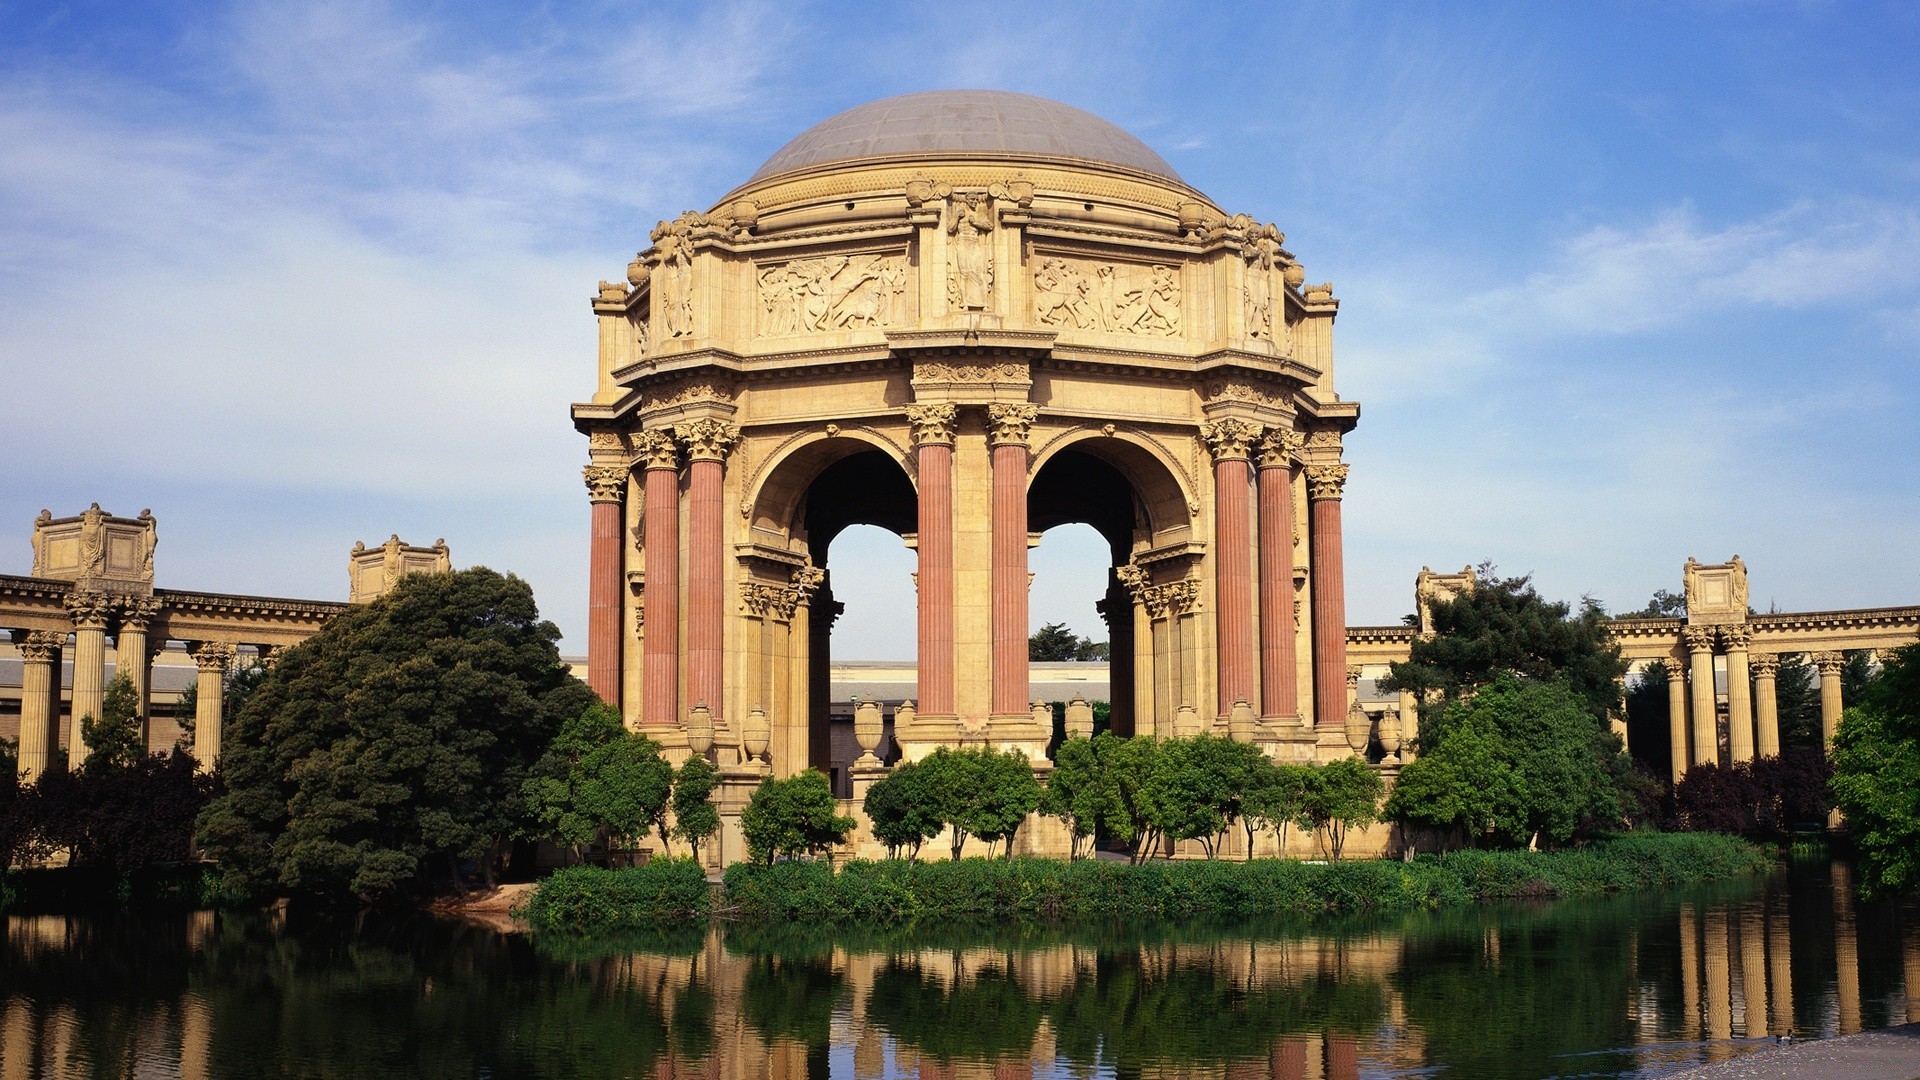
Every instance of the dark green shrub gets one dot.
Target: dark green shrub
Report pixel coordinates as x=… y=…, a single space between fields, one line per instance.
x=581 y=898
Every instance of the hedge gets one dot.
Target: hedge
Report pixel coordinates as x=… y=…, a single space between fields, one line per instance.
x=582 y=898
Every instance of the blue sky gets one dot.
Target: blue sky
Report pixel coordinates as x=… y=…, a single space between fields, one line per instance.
x=1621 y=283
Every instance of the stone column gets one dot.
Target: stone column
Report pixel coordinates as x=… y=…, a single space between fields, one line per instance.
x=213 y=658
x=1008 y=438
x=1677 y=715
x=91 y=612
x=708 y=443
x=1739 y=693
x=1766 y=714
x=1706 y=734
x=1231 y=442
x=1325 y=484
x=933 y=455
x=607 y=490
x=1279 y=678
x=1116 y=610
x=39 y=698
x=660 y=651
x=132 y=655
x=1830 y=664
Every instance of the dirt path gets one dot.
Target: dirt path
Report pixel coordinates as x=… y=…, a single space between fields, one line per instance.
x=1888 y=1054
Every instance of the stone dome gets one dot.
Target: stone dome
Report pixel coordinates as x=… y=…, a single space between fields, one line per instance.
x=965 y=123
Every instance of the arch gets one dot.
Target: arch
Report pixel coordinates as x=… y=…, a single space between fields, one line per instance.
x=777 y=490
x=1164 y=496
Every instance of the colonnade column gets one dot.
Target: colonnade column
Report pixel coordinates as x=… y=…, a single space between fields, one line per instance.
x=39 y=698
x=607 y=489
x=708 y=443
x=1739 y=696
x=1830 y=664
x=1325 y=484
x=1279 y=671
x=1706 y=735
x=660 y=655
x=1008 y=438
x=90 y=612
x=933 y=456
x=210 y=691
x=1231 y=442
x=132 y=655
x=1766 y=668
x=1677 y=716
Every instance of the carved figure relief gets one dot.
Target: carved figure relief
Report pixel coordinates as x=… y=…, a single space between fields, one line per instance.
x=1261 y=250
x=673 y=251
x=833 y=292
x=969 y=226
x=1118 y=298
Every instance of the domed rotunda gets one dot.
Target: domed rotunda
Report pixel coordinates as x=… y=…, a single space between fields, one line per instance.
x=966 y=317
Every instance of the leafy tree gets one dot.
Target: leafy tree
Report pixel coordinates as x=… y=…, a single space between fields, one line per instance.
x=1855 y=676
x=695 y=817
x=980 y=791
x=1466 y=784
x=1664 y=605
x=552 y=791
x=1079 y=792
x=1197 y=787
x=1129 y=766
x=398 y=738
x=901 y=810
x=1339 y=795
x=1275 y=798
x=1763 y=798
x=1876 y=775
x=1503 y=625
x=1055 y=641
x=795 y=816
x=115 y=740
x=1796 y=696
x=624 y=786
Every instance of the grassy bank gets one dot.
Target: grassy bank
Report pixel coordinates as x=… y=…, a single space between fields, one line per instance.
x=894 y=891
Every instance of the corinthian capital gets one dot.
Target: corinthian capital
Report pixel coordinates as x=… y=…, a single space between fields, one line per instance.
x=1326 y=481
x=707 y=440
x=137 y=611
x=213 y=655
x=1736 y=638
x=1764 y=665
x=1230 y=440
x=605 y=483
x=1829 y=663
x=657 y=449
x=932 y=424
x=38 y=646
x=1278 y=447
x=1699 y=639
x=90 y=610
x=1010 y=423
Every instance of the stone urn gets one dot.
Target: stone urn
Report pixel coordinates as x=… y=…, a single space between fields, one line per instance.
x=638 y=271
x=1240 y=721
x=903 y=718
x=1192 y=216
x=1390 y=736
x=1186 y=722
x=867 y=728
x=700 y=730
x=755 y=734
x=1079 y=718
x=1043 y=717
x=1359 y=729
x=1294 y=274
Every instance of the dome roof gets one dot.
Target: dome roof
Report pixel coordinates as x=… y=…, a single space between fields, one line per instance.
x=965 y=123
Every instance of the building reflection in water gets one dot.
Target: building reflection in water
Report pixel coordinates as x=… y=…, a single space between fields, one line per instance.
x=1598 y=987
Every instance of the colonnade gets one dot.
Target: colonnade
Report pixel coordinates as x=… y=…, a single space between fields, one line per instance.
x=1753 y=715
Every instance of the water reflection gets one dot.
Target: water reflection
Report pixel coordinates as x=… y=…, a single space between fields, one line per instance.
x=1633 y=986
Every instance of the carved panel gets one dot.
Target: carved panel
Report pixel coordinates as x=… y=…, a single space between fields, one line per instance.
x=1114 y=297
x=832 y=292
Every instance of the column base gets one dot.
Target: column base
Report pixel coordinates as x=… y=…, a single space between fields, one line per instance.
x=927 y=732
x=1019 y=727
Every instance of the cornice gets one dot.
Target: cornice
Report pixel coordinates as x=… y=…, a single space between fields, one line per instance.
x=178 y=602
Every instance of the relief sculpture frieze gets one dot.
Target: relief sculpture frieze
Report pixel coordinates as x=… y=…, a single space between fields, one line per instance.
x=1118 y=298
x=832 y=292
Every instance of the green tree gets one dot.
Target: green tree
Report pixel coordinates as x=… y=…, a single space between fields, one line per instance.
x=901 y=810
x=1197 y=788
x=1079 y=792
x=1276 y=798
x=695 y=818
x=981 y=792
x=1055 y=641
x=1129 y=766
x=1503 y=625
x=1876 y=775
x=1796 y=695
x=552 y=791
x=1466 y=784
x=115 y=740
x=795 y=816
x=624 y=785
x=1340 y=795
x=397 y=739
x=1664 y=605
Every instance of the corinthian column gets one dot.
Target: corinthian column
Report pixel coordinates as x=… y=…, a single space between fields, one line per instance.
x=1677 y=716
x=210 y=691
x=1231 y=441
x=1766 y=668
x=1830 y=664
x=1008 y=438
x=1739 y=696
x=660 y=656
x=91 y=612
x=132 y=655
x=1325 y=483
x=39 y=698
x=708 y=442
x=607 y=489
x=933 y=452
x=1706 y=734
x=1279 y=679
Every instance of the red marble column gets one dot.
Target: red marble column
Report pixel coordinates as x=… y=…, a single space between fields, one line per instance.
x=1279 y=678
x=660 y=682
x=933 y=437
x=607 y=487
x=1233 y=558
x=707 y=443
x=1010 y=585
x=1324 y=486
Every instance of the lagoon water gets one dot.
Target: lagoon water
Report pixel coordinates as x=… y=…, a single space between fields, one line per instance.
x=1634 y=986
